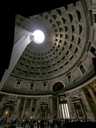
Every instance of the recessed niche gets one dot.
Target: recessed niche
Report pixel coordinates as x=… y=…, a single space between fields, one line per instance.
x=63 y=20
x=93 y=50
x=18 y=82
x=82 y=69
x=70 y=17
x=78 y=15
x=31 y=86
x=66 y=28
x=71 y=57
x=65 y=42
x=72 y=38
x=70 y=46
x=66 y=63
x=54 y=16
x=73 y=29
x=67 y=52
x=66 y=36
x=95 y=18
x=58 y=23
x=62 y=48
x=76 y=50
x=80 y=29
x=79 y=40
x=58 y=86
x=69 y=77
x=50 y=20
x=59 y=11
x=63 y=57
x=61 y=29
x=44 y=84
x=61 y=35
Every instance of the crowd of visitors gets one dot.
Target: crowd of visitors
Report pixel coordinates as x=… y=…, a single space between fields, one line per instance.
x=30 y=123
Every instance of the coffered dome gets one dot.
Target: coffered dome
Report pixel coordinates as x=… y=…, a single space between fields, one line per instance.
x=64 y=55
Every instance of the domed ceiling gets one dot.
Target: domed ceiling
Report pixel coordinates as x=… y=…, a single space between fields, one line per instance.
x=64 y=44
x=64 y=56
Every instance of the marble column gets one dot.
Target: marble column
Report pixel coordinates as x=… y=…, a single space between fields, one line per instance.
x=89 y=113
x=51 y=107
x=92 y=95
x=30 y=108
x=72 y=110
x=55 y=107
x=69 y=107
x=93 y=87
x=17 y=107
x=24 y=108
x=2 y=104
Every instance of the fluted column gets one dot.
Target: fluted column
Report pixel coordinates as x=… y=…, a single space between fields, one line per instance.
x=69 y=107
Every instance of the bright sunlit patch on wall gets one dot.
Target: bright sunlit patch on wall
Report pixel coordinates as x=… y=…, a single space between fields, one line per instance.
x=6 y=112
x=38 y=36
x=64 y=111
